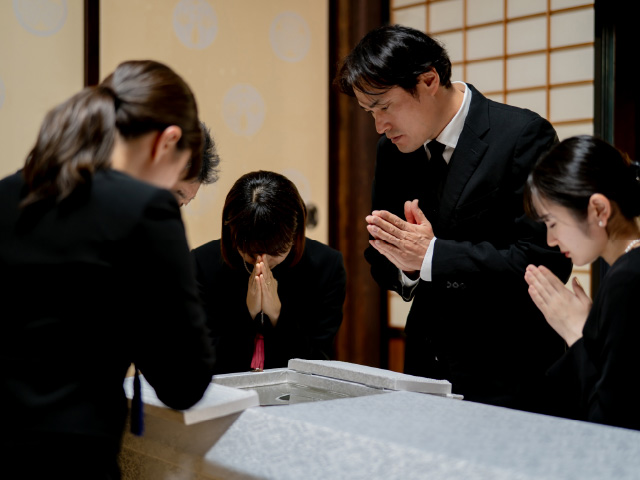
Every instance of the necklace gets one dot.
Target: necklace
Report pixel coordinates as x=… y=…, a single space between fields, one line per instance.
x=631 y=245
x=247 y=268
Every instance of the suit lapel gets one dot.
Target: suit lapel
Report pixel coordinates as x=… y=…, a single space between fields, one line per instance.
x=467 y=155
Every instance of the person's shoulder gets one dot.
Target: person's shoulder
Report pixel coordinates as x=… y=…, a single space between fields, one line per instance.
x=208 y=249
x=624 y=273
x=12 y=183
x=13 y=178
x=320 y=253
x=117 y=184
x=208 y=256
x=119 y=192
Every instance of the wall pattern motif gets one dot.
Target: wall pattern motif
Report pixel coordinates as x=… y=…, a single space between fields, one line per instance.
x=195 y=23
x=41 y=17
x=290 y=37
x=244 y=109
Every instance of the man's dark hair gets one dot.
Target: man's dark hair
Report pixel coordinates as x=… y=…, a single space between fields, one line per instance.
x=210 y=159
x=391 y=56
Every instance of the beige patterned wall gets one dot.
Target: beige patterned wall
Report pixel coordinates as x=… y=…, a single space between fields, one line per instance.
x=41 y=65
x=259 y=72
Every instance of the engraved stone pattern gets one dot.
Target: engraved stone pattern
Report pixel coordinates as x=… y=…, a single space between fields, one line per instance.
x=374 y=377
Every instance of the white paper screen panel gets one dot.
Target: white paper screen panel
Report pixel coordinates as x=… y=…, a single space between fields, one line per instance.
x=526 y=71
x=414 y=17
x=520 y=8
x=485 y=42
x=446 y=15
x=401 y=3
x=560 y=4
x=484 y=11
x=527 y=35
x=568 y=103
x=487 y=76
x=572 y=27
x=454 y=44
x=572 y=65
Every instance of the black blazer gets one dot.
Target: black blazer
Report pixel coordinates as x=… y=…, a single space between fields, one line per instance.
x=597 y=375
x=88 y=286
x=312 y=294
x=474 y=323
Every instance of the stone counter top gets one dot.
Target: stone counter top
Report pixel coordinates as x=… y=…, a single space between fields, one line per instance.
x=405 y=435
x=373 y=433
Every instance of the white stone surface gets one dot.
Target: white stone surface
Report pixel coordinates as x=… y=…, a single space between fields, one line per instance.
x=217 y=401
x=395 y=435
x=405 y=435
x=370 y=376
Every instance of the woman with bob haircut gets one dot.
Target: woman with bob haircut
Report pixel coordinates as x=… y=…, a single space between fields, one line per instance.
x=97 y=274
x=270 y=293
x=588 y=195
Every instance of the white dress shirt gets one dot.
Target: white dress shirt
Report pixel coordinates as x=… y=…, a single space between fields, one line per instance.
x=449 y=138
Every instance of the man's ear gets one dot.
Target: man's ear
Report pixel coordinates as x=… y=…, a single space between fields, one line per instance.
x=430 y=80
x=166 y=141
x=600 y=208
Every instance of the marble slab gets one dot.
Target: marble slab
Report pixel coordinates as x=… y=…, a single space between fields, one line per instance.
x=370 y=376
x=275 y=383
x=406 y=435
x=217 y=401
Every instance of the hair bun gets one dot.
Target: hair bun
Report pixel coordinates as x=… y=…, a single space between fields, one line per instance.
x=111 y=92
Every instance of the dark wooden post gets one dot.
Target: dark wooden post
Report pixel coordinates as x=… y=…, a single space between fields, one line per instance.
x=352 y=149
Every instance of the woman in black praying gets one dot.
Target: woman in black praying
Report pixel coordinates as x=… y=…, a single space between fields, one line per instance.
x=270 y=293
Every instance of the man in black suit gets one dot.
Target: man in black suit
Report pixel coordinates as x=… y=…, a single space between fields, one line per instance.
x=462 y=159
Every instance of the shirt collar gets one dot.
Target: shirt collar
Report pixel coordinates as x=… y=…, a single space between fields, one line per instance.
x=451 y=133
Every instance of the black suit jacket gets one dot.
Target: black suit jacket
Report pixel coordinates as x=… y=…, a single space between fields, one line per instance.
x=474 y=323
x=312 y=294
x=88 y=286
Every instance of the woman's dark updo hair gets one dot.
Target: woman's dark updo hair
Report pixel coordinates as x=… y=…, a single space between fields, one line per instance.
x=76 y=138
x=579 y=167
x=149 y=96
x=263 y=214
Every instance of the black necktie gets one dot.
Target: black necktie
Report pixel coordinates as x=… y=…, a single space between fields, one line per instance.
x=437 y=173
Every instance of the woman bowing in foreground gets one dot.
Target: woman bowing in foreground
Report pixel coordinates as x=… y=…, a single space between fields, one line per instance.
x=96 y=273
x=270 y=293
x=588 y=195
